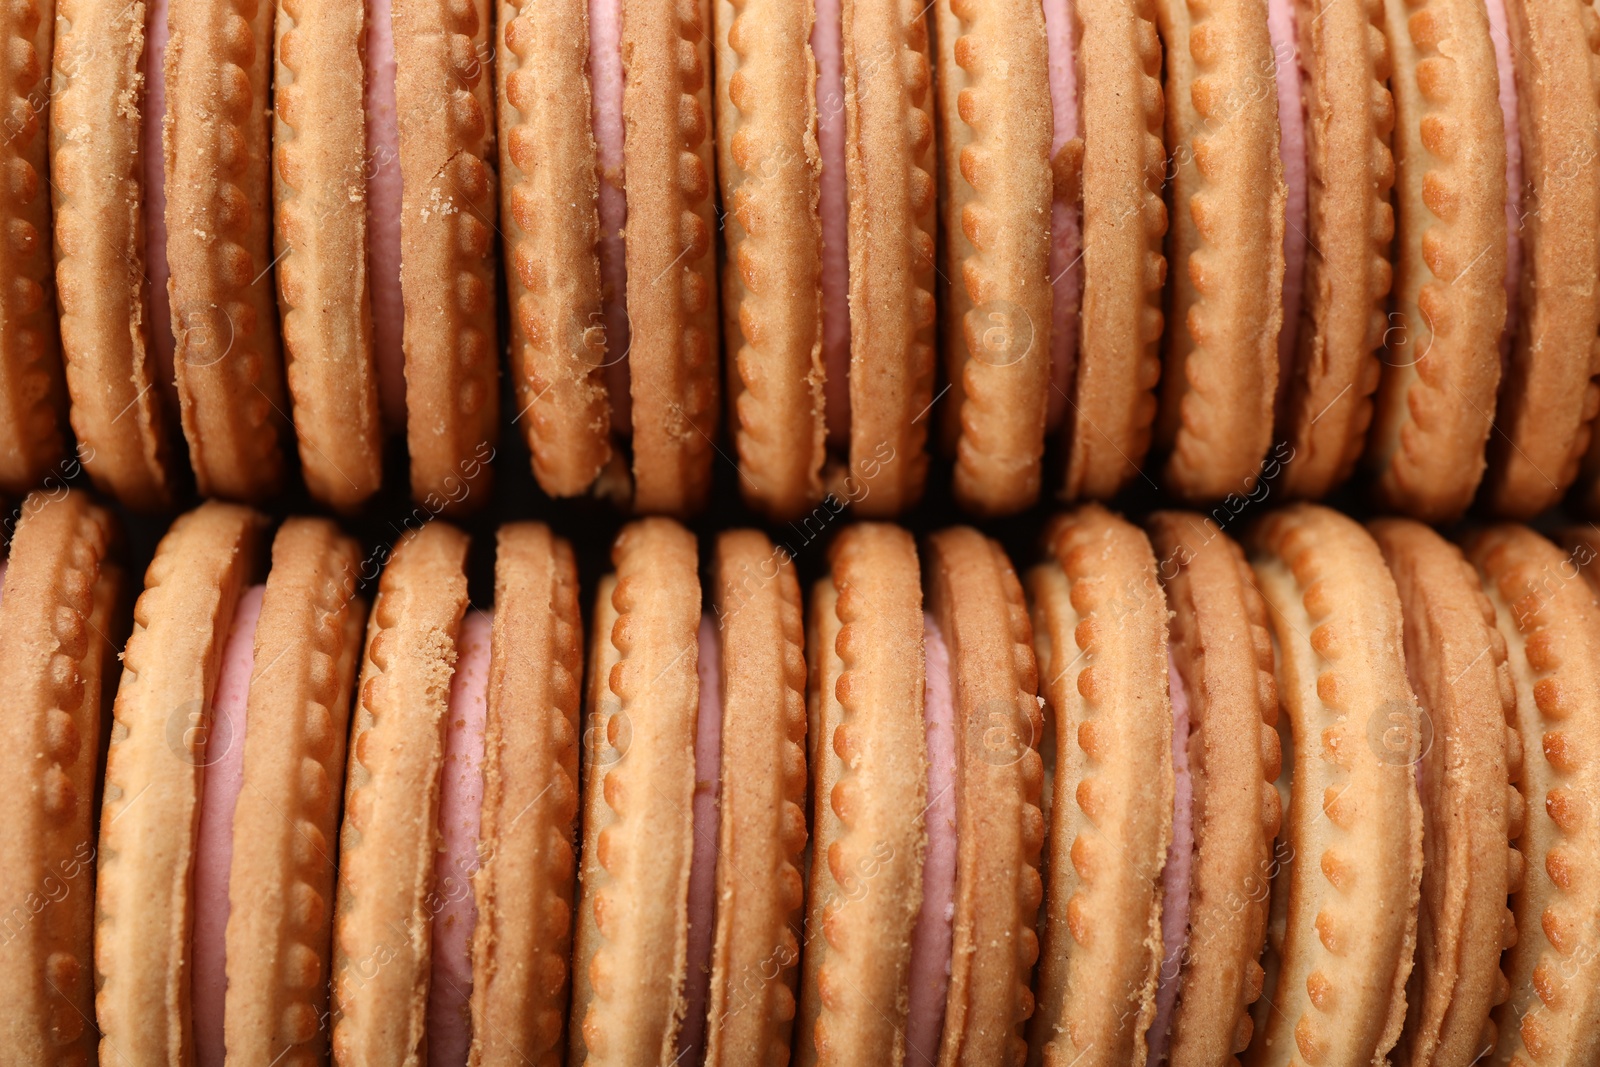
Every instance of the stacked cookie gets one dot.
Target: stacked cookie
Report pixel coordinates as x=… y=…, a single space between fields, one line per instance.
x=1315 y=798
x=1215 y=245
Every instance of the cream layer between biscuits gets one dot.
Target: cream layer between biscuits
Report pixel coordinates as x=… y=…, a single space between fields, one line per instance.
x=222 y=756
x=707 y=822
x=1066 y=216
x=827 y=44
x=606 y=82
x=453 y=908
x=1283 y=29
x=1177 y=875
x=384 y=190
x=1505 y=67
x=932 y=936
x=152 y=160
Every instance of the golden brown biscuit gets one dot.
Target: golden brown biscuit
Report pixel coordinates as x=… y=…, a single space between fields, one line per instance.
x=320 y=205
x=523 y=891
x=864 y=644
x=1547 y=399
x=1119 y=169
x=1220 y=652
x=755 y=954
x=61 y=612
x=1348 y=119
x=995 y=294
x=286 y=818
x=381 y=935
x=673 y=354
x=1547 y=613
x=888 y=106
x=1225 y=247
x=121 y=406
x=977 y=605
x=1100 y=630
x=1456 y=660
x=1442 y=359
x=769 y=167
x=1344 y=911
x=631 y=947
x=549 y=228
x=217 y=161
x=31 y=396
x=144 y=913
x=445 y=102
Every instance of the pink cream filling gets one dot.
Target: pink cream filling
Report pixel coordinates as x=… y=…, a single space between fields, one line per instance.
x=707 y=828
x=151 y=159
x=222 y=756
x=1177 y=875
x=383 y=216
x=455 y=911
x=1281 y=25
x=931 y=937
x=606 y=83
x=1066 y=224
x=827 y=44
x=1500 y=34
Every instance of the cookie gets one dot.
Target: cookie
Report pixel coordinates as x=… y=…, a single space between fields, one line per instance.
x=32 y=437
x=1343 y=919
x=323 y=177
x=61 y=613
x=1225 y=247
x=1115 y=166
x=116 y=334
x=1331 y=67
x=1100 y=631
x=996 y=128
x=1226 y=811
x=693 y=818
x=1441 y=368
x=163 y=244
x=1544 y=604
x=877 y=199
x=924 y=881
x=769 y=165
x=580 y=331
x=457 y=862
x=1548 y=399
x=1468 y=760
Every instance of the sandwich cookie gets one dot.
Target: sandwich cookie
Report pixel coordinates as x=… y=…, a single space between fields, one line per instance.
x=383 y=133
x=1100 y=628
x=1469 y=757
x=1226 y=813
x=1548 y=350
x=217 y=833
x=163 y=243
x=996 y=191
x=1545 y=608
x=1343 y=920
x=1331 y=68
x=60 y=629
x=1108 y=220
x=607 y=156
x=875 y=133
x=451 y=935
x=32 y=399
x=1452 y=146
x=1225 y=246
x=769 y=164
x=927 y=780
x=694 y=819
